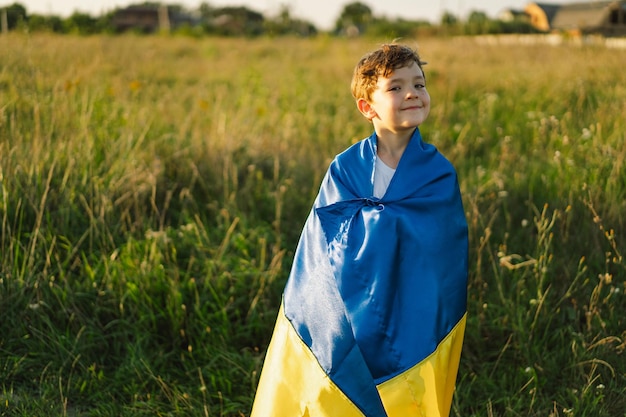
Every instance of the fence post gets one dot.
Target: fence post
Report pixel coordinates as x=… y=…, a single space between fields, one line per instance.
x=4 y=21
x=164 y=19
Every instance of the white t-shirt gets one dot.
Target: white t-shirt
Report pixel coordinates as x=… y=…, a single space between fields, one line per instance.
x=382 y=178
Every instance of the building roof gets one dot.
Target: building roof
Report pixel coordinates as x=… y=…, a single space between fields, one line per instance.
x=549 y=9
x=590 y=14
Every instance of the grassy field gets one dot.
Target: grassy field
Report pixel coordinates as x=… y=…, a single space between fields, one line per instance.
x=152 y=191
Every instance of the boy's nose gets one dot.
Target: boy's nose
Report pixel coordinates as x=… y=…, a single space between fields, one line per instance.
x=413 y=92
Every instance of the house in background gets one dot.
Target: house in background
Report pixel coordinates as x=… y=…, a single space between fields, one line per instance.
x=541 y=15
x=606 y=18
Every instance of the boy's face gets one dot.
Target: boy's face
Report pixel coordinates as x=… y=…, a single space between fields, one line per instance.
x=400 y=101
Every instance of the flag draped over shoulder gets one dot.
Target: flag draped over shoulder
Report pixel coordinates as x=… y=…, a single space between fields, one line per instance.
x=373 y=314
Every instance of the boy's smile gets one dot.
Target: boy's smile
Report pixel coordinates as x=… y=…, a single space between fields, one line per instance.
x=400 y=102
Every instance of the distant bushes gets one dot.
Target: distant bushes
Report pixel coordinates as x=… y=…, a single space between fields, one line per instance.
x=356 y=19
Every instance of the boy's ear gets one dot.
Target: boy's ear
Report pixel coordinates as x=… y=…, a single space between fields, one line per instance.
x=366 y=108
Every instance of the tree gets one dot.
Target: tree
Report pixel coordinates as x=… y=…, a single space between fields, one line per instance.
x=478 y=17
x=235 y=21
x=104 y=23
x=81 y=23
x=477 y=23
x=396 y=28
x=449 y=19
x=285 y=24
x=355 y=16
x=37 y=22
x=16 y=15
x=205 y=10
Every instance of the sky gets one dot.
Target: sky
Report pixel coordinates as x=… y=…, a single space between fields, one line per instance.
x=322 y=13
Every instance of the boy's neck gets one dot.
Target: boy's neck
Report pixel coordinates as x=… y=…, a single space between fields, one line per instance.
x=391 y=146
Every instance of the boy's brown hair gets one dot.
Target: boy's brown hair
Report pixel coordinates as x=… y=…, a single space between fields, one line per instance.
x=381 y=63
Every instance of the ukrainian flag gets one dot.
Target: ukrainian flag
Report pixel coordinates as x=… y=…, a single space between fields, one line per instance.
x=373 y=315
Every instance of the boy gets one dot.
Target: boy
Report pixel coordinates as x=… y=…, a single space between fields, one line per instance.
x=373 y=313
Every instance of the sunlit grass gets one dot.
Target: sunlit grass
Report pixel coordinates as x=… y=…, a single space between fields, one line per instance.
x=152 y=190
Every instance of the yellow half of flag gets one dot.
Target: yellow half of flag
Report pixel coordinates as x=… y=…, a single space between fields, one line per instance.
x=293 y=384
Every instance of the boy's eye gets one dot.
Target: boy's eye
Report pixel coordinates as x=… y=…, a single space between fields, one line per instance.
x=420 y=86
x=394 y=88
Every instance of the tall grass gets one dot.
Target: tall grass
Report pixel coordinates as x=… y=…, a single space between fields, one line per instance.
x=152 y=190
